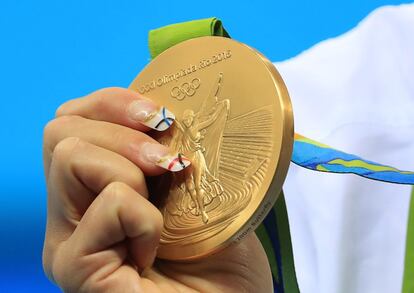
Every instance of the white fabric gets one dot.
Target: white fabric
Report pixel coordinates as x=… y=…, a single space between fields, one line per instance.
x=355 y=93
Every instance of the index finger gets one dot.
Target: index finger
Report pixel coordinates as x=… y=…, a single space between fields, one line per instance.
x=120 y=106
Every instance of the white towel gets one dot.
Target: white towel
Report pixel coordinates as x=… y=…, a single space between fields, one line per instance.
x=354 y=93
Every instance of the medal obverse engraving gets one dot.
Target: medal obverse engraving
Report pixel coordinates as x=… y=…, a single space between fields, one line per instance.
x=234 y=123
x=228 y=161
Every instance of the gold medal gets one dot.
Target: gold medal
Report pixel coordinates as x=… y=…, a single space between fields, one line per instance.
x=234 y=123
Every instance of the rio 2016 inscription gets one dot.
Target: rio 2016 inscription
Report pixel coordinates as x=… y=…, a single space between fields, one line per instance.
x=167 y=78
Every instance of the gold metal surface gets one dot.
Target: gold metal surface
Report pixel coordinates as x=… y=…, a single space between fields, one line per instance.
x=234 y=122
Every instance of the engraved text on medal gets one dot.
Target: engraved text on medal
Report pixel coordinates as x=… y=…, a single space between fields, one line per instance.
x=191 y=68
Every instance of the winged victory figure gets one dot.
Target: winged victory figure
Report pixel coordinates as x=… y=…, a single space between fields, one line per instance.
x=228 y=158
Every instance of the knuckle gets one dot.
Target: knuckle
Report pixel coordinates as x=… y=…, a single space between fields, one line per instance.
x=100 y=101
x=54 y=126
x=49 y=130
x=65 y=147
x=117 y=192
x=68 y=108
x=62 y=109
x=52 y=133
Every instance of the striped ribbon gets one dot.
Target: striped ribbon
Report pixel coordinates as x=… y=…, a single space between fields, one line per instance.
x=316 y=156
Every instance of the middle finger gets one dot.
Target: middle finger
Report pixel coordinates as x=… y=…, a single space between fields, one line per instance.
x=149 y=155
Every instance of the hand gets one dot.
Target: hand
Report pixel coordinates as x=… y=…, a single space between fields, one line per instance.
x=102 y=231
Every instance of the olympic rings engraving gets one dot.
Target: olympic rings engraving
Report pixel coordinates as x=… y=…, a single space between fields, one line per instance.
x=187 y=89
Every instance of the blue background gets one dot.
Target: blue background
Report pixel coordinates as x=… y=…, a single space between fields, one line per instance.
x=52 y=51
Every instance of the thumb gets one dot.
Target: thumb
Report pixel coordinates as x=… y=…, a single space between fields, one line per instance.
x=119 y=226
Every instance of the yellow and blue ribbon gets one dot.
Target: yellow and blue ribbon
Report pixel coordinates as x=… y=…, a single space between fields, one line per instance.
x=316 y=156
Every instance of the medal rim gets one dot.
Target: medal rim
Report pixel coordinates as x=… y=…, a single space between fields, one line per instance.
x=192 y=251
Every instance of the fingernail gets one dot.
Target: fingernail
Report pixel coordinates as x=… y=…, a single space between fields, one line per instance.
x=160 y=155
x=151 y=115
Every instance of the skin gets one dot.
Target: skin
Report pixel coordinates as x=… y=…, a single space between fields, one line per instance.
x=102 y=231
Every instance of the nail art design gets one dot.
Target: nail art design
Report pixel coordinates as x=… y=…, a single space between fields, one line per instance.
x=174 y=163
x=160 y=120
x=149 y=114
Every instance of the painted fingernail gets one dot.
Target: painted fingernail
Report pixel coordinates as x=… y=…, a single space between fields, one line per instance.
x=151 y=115
x=160 y=155
x=174 y=163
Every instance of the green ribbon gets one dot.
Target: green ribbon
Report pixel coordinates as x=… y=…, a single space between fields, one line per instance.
x=274 y=233
x=165 y=37
x=408 y=282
